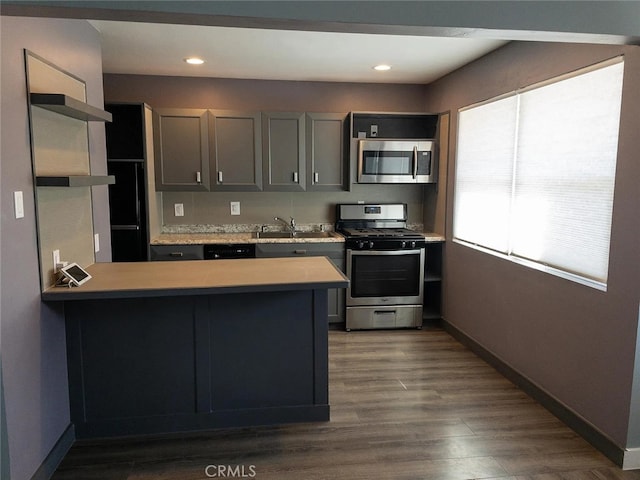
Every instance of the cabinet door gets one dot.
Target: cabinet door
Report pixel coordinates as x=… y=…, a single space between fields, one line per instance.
x=181 y=138
x=163 y=253
x=334 y=251
x=325 y=152
x=336 y=312
x=283 y=150
x=236 y=154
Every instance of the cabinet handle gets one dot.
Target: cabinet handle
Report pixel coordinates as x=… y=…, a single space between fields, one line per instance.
x=198 y=177
x=316 y=177
x=384 y=312
x=300 y=252
x=176 y=254
x=220 y=176
x=295 y=177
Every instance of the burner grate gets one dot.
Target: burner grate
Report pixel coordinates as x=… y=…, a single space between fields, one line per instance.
x=381 y=232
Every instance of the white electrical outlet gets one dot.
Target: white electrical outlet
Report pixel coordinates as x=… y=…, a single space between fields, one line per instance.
x=178 y=209
x=96 y=242
x=56 y=260
x=235 y=208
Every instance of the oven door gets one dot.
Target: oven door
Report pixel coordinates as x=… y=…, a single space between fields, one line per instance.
x=385 y=277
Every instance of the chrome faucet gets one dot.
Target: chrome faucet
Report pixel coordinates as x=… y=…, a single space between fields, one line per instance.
x=291 y=226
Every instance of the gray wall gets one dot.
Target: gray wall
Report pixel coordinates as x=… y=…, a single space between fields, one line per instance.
x=263 y=95
x=575 y=342
x=33 y=340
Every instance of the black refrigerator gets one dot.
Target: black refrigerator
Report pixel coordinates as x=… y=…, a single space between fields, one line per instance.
x=126 y=160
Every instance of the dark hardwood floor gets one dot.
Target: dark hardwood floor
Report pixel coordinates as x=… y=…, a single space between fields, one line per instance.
x=405 y=404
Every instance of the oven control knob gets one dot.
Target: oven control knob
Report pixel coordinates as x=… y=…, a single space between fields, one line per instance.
x=370 y=244
x=404 y=244
x=413 y=244
x=360 y=244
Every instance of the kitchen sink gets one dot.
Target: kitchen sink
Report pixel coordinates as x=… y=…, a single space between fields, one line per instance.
x=292 y=235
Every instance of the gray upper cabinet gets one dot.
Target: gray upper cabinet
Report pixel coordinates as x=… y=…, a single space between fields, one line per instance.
x=181 y=141
x=325 y=147
x=236 y=154
x=221 y=150
x=283 y=151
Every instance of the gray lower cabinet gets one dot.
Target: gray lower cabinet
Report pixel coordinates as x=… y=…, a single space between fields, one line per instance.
x=283 y=151
x=326 y=168
x=181 y=144
x=236 y=152
x=176 y=252
x=334 y=251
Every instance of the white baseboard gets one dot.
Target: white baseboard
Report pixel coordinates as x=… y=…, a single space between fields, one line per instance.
x=631 y=459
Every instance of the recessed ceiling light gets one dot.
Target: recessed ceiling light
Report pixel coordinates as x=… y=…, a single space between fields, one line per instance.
x=194 y=61
x=382 y=68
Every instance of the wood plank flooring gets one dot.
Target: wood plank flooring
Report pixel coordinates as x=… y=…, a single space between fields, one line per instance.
x=405 y=405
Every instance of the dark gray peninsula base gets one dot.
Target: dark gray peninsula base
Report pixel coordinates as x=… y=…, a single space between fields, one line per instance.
x=149 y=361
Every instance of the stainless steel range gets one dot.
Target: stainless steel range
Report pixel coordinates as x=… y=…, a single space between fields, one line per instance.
x=385 y=265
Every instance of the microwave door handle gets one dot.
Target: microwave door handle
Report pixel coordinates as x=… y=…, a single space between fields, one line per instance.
x=415 y=161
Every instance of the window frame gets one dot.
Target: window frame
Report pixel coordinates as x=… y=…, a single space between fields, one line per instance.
x=509 y=255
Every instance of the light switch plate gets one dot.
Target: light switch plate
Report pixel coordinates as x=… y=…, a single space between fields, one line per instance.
x=235 y=208
x=178 y=209
x=96 y=242
x=56 y=260
x=18 y=204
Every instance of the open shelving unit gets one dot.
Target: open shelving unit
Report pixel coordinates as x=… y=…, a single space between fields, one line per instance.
x=433 y=282
x=59 y=117
x=70 y=107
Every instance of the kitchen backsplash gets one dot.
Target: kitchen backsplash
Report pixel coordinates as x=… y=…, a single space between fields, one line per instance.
x=260 y=208
x=254 y=227
x=243 y=228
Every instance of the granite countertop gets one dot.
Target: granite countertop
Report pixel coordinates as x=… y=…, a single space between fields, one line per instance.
x=201 y=277
x=246 y=237
x=431 y=237
x=249 y=237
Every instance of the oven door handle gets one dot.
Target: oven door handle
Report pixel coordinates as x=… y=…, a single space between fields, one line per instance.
x=415 y=161
x=385 y=252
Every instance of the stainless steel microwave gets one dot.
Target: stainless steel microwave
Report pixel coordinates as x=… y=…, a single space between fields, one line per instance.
x=397 y=161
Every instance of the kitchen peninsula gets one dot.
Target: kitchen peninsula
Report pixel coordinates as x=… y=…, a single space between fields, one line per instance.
x=157 y=347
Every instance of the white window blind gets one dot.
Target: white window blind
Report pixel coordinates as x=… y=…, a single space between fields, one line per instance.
x=535 y=172
x=484 y=177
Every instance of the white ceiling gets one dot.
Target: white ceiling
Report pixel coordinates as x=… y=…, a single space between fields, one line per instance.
x=230 y=52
